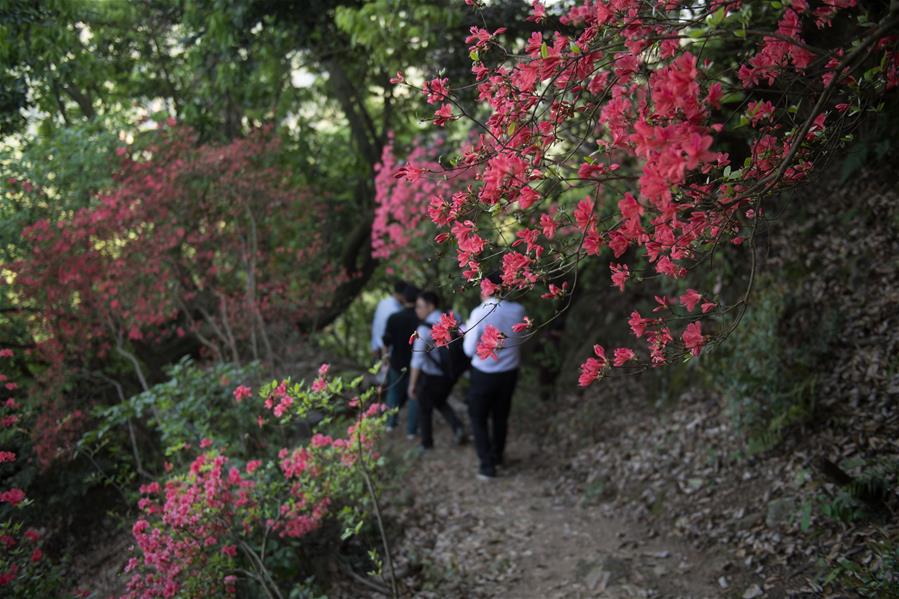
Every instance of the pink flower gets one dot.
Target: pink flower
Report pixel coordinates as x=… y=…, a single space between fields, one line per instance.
x=397 y=79
x=690 y=299
x=692 y=337
x=37 y=554
x=538 y=12
x=708 y=307
x=436 y=89
x=523 y=325
x=620 y=275
x=253 y=465
x=319 y=440
x=441 y=331
x=548 y=225
x=592 y=243
x=590 y=370
x=10 y=575
x=205 y=443
x=663 y=303
x=323 y=369
x=629 y=207
x=592 y=367
x=5 y=353
x=230 y=550
x=242 y=392
x=488 y=287
x=443 y=115
x=638 y=324
x=583 y=213
x=319 y=385
x=490 y=340
x=13 y=497
x=7 y=456
x=149 y=489
x=622 y=356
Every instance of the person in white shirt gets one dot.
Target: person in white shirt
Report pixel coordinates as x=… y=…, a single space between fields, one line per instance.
x=386 y=307
x=427 y=382
x=493 y=379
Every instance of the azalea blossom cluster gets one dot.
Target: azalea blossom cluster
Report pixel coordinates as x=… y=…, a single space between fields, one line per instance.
x=191 y=240
x=408 y=199
x=204 y=532
x=21 y=555
x=604 y=141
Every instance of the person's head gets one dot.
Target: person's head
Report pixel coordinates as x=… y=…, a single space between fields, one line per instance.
x=427 y=302
x=410 y=294
x=399 y=287
x=494 y=277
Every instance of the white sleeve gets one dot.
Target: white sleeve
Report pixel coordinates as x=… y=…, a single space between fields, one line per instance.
x=472 y=332
x=418 y=348
x=378 y=325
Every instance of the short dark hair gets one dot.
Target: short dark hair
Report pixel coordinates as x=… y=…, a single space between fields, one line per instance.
x=495 y=277
x=430 y=297
x=410 y=293
x=400 y=286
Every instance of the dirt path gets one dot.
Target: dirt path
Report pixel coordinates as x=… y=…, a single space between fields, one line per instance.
x=520 y=536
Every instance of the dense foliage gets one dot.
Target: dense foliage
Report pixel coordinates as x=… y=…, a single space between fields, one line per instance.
x=199 y=196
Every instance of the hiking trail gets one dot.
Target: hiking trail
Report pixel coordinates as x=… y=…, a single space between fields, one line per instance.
x=520 y=536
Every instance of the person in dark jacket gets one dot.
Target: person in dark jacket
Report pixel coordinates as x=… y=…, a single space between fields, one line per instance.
x=399 y=328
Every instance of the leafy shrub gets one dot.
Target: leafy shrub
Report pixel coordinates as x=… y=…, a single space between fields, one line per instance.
x=229 y=523
x=25 y=571
x=195 y=403
x=767 y=371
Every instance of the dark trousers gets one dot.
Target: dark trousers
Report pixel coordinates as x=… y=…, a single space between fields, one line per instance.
x=490 y=399
x=433 y=392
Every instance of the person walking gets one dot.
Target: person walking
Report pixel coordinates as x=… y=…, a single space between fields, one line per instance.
x=493 y=378
x=400 y=327
x=427 y=381
x=385 y=308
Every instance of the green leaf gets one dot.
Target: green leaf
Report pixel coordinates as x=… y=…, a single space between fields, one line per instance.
x=544 y=50
x=716 y=18
x=870 y=73
x=805 y=516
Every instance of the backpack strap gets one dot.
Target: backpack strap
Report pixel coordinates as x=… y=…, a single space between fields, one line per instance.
x=430 y=357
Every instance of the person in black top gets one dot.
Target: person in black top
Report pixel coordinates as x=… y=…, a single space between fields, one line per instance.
x=399 y=329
